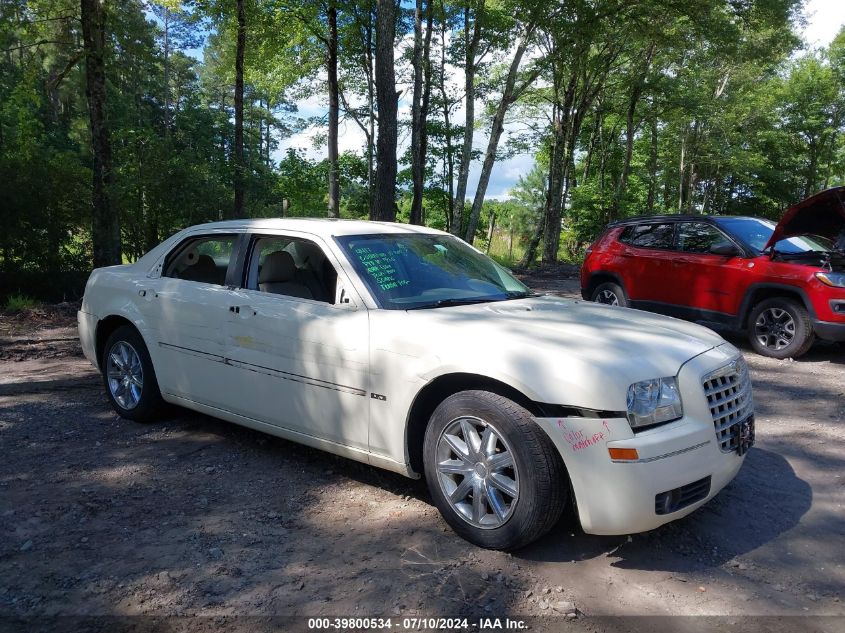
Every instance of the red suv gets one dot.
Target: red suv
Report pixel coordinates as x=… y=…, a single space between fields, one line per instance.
x=783 y=284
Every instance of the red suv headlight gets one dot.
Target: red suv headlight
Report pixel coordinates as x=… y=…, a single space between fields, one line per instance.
x=835 y=280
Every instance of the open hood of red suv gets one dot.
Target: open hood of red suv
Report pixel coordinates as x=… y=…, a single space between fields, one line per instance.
x=822 y=214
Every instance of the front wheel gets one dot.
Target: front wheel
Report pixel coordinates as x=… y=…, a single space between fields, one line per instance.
x=493 y=473
x=780 y=328
x=129 y=377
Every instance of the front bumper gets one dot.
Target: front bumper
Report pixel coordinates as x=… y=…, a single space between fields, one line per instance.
x=829 y=331
x=87 y=325
x=618 y=497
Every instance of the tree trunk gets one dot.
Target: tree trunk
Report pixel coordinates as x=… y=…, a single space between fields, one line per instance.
x=416 y=118
x=240 y=167
x=682 y=172
x=594 y=135
x=368 y=42
x=652 y=168
x=509 y=95
x=531 y=249
x=105 y=225
x=562 y=122
x=812 y=168
x=448 y=158
x=630 y=130
x=384 y=195
x=553 y=189
x=471 y=48
x=419 y=111
x=334 y=112
x=490 y=229
x=166 y=62
x=426 y=98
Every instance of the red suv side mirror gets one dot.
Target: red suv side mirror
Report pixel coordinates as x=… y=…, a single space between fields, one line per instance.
x=725 y=248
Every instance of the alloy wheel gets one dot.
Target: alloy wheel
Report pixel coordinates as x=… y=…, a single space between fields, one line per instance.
x=775 y=328
x=608 y=297
x=125 y=375
x=477 y=472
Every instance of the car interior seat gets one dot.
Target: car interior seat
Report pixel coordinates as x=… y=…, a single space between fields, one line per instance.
x=278 y=275
x=205 y=270
x=311 y=268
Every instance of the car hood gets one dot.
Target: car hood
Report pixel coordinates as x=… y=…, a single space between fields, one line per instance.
x=563 y=351
x=822 y=214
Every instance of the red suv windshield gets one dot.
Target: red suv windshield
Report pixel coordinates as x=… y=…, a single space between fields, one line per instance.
x=755 y=233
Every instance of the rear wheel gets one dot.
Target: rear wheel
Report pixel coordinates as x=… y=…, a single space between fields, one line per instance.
x=780 y=328
x=610 y=293
x=129 y=377
x=493 y=473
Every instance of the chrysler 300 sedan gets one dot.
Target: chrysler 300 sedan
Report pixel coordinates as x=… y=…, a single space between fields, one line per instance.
x=405 y=348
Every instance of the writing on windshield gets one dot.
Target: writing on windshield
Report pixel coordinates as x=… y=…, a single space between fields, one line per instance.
x=381 y=266
x=417 y=270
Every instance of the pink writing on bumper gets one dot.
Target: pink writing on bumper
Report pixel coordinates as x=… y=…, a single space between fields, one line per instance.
x=578 y=441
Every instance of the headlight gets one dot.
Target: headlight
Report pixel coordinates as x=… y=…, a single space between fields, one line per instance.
x=654 y=401
x=837 y=280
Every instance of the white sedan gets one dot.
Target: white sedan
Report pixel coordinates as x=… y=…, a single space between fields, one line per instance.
x=405 y=348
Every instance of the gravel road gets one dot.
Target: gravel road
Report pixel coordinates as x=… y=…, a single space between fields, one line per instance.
x=193 y=516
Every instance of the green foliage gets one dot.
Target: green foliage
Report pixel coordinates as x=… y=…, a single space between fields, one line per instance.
x=19 y=302
x=723 y=117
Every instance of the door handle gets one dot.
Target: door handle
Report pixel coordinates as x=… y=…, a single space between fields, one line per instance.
x=245 y=311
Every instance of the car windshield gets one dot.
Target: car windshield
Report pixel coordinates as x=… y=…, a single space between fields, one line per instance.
x=411 y=271
x=756 y=233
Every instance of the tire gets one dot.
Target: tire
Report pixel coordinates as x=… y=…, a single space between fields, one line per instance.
x=610 y=293
x=139 y=403
x=537 y=476
x=780 y=328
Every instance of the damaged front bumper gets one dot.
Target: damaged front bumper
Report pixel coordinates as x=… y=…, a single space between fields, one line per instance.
x=679 y=466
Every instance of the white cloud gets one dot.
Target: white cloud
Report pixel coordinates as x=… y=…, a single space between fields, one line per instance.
x=824 y=20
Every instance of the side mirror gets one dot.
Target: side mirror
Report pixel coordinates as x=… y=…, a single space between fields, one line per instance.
x=727 y=249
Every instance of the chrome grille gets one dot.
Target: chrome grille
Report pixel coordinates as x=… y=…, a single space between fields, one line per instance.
x=728 y=392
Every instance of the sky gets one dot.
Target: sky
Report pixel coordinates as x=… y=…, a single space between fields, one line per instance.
x=824 y=20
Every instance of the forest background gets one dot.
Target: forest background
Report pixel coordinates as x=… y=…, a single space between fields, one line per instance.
x=518 y=125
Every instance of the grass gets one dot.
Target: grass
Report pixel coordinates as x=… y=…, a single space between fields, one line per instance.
x=19 y=302
x=509 y=255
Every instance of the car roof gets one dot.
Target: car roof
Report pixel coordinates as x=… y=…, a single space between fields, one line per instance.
x=639 y=219
x=324 y=227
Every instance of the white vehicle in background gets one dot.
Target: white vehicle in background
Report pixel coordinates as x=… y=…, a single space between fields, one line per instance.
x=405 y=348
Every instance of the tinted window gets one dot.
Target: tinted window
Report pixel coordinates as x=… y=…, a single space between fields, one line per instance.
x=292 y=267
x=204 y=259
x=649 y=235
x=423 y=270
x=698 y=237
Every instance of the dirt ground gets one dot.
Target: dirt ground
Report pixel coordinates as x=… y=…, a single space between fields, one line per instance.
x=194 y=516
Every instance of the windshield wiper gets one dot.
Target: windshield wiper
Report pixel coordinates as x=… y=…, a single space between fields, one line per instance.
x=465 y=301
x=445 y=303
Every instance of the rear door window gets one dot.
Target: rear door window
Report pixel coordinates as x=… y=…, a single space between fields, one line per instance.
x=658 y=236
x=203 y=259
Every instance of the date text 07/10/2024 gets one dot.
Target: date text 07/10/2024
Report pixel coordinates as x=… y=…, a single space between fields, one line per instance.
x=417 y=624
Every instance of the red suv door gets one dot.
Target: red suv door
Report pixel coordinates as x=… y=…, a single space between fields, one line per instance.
x=702 y=279
x=646 y=258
